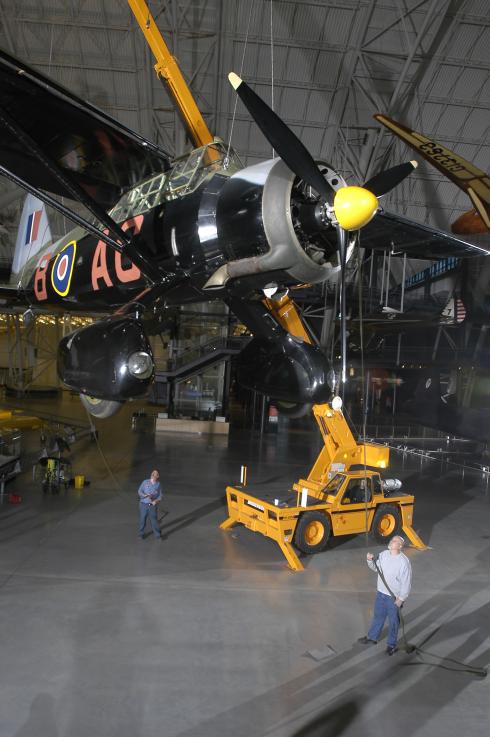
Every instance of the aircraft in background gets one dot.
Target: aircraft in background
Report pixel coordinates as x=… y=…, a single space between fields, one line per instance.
x=453 y=293
x=473 y=224
x=465 y=175
x=161 y=233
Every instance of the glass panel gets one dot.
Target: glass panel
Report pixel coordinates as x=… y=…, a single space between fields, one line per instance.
x=188 y=173
x=200 y=396
x=358 y=492
x=185 y=176
x=140 y=199
x=334 y=484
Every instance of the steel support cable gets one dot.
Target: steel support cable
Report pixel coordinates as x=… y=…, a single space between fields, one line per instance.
x=95 y=436
x=117 y=485
x=363 y=383
x=332 y=322
x=272 y=67
x=364 y=402
x=241 y=73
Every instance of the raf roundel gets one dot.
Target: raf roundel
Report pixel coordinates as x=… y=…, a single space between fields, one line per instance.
x=63 y=269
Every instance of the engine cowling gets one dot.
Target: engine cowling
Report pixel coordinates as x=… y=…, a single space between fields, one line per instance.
x=269 y=227
x=111 y=359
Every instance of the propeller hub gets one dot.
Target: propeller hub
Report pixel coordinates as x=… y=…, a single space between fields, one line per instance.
x=354 y=207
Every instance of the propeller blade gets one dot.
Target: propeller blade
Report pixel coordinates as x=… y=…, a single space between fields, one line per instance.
x=386 y=180
x=281 y=138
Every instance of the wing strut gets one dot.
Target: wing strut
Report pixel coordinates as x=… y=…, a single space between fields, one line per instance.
x=145 y=266
x=78 y=194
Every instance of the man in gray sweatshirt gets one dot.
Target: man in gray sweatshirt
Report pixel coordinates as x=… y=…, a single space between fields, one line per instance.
x=397 y=573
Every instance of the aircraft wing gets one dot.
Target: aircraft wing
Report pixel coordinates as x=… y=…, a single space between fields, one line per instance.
x=91 y=149
x=390 y=232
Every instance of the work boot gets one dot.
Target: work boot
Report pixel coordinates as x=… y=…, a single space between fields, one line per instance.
x=367 y=641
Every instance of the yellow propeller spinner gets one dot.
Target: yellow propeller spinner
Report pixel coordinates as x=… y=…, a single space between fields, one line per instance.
x=354 y=207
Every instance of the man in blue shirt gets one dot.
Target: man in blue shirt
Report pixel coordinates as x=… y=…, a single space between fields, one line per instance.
x=150 y=493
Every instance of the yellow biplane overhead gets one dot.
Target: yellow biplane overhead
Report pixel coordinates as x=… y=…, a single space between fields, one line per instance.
x=465 y=175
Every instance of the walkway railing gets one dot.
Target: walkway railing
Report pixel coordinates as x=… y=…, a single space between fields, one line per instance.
x=193 y=358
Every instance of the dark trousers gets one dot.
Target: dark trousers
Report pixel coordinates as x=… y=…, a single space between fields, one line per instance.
x=149 y=510
x=384 y=606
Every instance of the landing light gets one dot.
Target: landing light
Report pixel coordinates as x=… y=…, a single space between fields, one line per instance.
x=140 y=365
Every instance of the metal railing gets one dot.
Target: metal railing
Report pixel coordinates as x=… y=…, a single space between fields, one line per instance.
x=415 y=441
x=195 y=355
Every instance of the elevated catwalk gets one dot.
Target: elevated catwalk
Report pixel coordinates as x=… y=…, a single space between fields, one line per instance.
x=206 y=633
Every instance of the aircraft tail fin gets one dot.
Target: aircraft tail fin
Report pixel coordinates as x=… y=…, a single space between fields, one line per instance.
x=33 y=233
x=454 y=311
x=462 y=173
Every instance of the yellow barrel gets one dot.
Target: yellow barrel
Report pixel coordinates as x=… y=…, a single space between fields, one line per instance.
x=79 y=482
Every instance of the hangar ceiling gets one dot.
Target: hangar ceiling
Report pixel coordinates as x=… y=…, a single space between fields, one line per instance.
x=326 y=67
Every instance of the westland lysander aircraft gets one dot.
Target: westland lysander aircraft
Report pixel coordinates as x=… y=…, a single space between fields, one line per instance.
x=161 y=234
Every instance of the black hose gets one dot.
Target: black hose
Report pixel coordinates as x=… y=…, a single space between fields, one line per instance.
x=411 y=648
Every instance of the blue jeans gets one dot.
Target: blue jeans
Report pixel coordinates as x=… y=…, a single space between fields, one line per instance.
x=149 y=510
x=384 y=606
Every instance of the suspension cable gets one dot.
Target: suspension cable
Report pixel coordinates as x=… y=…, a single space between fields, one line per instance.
x=363 y=383
x=272 y=70
x=241 y=72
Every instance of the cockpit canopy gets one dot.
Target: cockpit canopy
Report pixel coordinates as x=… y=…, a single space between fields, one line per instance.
x=185 y=175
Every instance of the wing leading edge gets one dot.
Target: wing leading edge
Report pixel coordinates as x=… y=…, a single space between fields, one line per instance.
x=399 y=235
x=94 y=151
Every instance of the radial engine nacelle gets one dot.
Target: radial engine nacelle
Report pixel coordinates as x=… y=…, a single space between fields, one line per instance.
x=261 y=220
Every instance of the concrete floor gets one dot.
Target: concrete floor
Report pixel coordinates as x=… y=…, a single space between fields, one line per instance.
x=206 y=633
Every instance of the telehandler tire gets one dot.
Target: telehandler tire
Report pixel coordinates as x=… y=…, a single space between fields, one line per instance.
x=387 y=522
x=312 y=532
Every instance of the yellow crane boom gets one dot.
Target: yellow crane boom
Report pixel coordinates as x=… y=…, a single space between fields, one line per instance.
x=168 y=71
